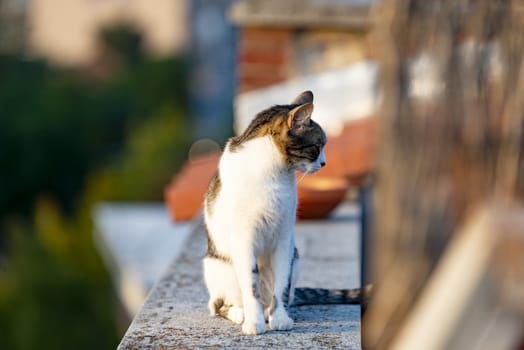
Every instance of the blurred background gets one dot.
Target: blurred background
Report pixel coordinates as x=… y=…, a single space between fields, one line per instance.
x=106 y=100
x=99 y=101
x=102 y=100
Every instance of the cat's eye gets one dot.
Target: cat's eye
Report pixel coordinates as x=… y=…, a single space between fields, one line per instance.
x=315 y=148
x=308 y=148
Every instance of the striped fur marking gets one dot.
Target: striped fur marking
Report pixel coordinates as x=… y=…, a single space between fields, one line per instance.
x=214 y=254
x=255 y=288
x=321 y=296
x=285 y=296
x=273 y=306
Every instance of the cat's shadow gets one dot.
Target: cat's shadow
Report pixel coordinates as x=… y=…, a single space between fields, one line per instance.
x=326 y=318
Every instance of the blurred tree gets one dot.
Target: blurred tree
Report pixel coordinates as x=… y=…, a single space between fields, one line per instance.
x=50 y=295
x=67 y=142
x=56 y=128
x=123 y=43
x=152 y=156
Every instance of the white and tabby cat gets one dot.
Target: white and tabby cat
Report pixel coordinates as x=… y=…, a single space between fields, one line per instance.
x=250 y=207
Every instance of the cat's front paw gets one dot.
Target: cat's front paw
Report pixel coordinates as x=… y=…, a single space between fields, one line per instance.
x=254 y=327
x=236 y=314
x=280 y=321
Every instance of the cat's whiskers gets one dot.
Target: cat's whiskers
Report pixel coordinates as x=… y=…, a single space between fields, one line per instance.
x=300 y=179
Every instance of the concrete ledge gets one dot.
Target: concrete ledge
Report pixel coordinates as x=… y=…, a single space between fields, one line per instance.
x=175 y=313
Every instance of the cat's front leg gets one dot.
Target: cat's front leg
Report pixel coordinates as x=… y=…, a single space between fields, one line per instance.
x=281 y=261
x=247 y=272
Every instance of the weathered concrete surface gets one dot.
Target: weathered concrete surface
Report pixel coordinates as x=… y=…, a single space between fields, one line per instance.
x=175 y=313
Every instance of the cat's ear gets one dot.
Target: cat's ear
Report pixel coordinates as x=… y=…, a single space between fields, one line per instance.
x=300 y=115
x=303 y=98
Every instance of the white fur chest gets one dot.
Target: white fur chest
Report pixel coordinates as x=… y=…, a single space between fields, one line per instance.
x=257 y=190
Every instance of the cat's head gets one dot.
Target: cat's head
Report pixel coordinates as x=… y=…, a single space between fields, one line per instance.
x=298 y=138
x=304 y=140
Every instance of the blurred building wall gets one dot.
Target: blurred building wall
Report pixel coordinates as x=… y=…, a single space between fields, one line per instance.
x=281 y=41
x=287 y=47
x=65 y=31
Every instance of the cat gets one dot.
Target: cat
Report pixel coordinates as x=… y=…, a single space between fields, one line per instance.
x=251 y=265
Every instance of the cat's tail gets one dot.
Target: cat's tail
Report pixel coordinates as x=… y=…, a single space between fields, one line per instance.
x=322 y=296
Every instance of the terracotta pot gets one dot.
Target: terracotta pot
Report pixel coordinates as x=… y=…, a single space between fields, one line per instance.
x=185 y=194
x=319 y=195
x=351 y=154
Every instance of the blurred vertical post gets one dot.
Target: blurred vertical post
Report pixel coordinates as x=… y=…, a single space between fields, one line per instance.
x=447 y=254
x=212 y=68
x=12 y=26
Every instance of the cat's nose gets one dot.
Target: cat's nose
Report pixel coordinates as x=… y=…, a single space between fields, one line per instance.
x=322 y=164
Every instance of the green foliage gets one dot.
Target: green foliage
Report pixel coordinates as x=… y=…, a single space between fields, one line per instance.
x=56 y=128
x=152 y=156
x=123 y=42
x=67 y=142
x=52 y=301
